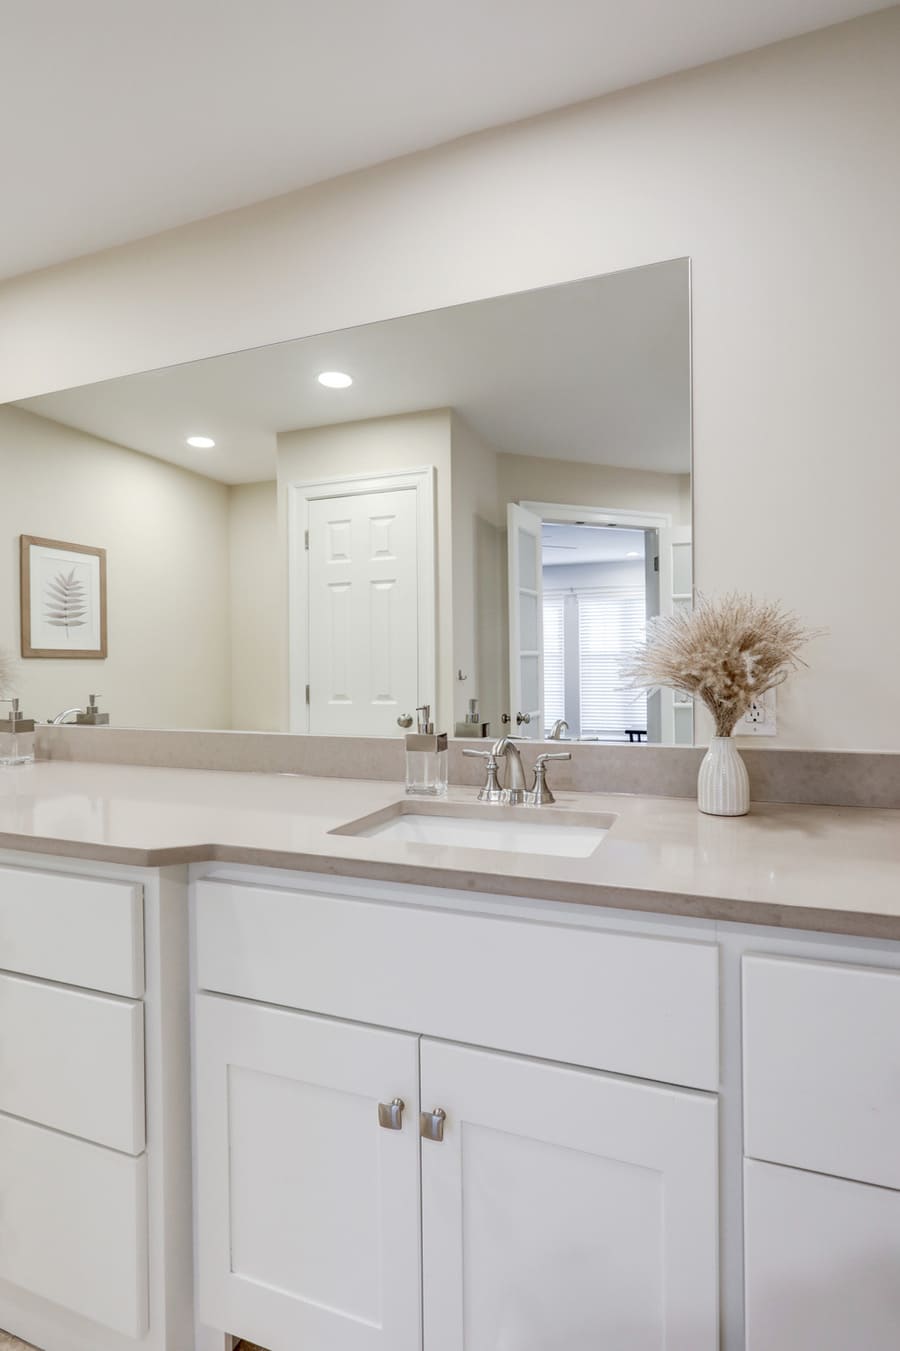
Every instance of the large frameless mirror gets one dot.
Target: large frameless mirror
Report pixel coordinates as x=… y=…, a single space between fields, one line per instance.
x=475 y=509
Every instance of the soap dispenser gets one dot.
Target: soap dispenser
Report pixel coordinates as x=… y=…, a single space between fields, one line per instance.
x=16 y=737
x=426 y=758
x=92 y=717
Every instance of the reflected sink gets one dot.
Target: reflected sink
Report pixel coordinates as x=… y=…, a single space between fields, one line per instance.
x=514 y=830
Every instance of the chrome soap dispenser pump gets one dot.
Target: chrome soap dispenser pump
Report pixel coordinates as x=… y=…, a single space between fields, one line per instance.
x=16 y=736
x=426 y=757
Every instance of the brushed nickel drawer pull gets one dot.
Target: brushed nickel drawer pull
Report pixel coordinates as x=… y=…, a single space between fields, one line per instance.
x=431 y=1124
x=390 y=1114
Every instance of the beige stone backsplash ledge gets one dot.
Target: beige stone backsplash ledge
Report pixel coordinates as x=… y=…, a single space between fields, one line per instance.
x=823 y=778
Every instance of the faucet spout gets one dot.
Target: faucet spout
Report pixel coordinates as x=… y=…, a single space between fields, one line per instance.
x=517 y=787
x=61 y=717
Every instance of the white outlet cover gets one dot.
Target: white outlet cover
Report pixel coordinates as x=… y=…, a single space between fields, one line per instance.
x=752 y=724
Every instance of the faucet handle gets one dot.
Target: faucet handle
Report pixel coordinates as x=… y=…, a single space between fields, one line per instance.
x=540 y=795
x=491 y=792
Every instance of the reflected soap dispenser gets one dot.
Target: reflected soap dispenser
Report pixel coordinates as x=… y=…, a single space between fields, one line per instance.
x=426 y=758
x=16 y=737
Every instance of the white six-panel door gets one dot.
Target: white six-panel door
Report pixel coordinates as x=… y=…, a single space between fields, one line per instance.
x=363 y=612
x=308 y=1208
x=566 y=1210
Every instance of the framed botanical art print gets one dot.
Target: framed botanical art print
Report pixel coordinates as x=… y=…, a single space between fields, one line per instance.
x=63 y=599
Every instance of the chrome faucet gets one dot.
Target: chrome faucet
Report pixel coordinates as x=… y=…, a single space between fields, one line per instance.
x=517 y=794
x=61 y=717
x=558 y=727
x=514 y=792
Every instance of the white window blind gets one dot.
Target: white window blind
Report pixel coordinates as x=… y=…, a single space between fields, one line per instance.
x=554 y=658
x=611 y=622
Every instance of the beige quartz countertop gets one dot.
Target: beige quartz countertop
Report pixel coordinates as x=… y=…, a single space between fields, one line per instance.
x=826 y=868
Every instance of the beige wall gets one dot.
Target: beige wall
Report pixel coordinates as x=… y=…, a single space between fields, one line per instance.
x=775 y=171
x=258 y=630
x=377 y=446
x=480 y=641
x=166 y=533
x=527 y=478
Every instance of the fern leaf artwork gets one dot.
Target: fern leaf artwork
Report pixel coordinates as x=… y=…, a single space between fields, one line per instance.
x=65 y=602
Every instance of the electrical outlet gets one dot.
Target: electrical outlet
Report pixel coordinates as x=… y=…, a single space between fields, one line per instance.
x=760 y=718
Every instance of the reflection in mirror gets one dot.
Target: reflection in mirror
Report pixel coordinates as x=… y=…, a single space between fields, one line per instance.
x=474 y=509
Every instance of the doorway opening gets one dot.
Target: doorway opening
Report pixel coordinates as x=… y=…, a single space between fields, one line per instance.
x=601 y=583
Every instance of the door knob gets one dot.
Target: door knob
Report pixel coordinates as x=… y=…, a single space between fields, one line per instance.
x=390 y=1115
x=523 y=717
x=431 y=1124
x=405 y=720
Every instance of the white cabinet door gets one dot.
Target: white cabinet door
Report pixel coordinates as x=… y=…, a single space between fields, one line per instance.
x=566 y=1209
x=822 y=1262
x=308 y=1208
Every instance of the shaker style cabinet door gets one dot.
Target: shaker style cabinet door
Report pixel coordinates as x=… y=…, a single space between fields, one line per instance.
x=565 y=1209
x=308 y=1194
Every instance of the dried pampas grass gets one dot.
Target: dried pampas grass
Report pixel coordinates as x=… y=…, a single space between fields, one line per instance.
x=7 y=668
x=724 y=652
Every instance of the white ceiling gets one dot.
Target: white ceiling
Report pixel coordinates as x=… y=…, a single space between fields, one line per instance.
x=565 y=545
x=120 y=118
x=597 y=370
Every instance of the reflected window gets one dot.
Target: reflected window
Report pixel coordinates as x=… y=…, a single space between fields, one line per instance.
x=595 y=607
x=611 y=623
x=554 y=659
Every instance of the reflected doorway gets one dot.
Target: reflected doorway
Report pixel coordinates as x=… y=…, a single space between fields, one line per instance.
x=576 y=617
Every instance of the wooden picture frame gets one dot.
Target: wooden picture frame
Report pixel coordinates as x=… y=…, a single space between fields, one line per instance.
x=62 y=595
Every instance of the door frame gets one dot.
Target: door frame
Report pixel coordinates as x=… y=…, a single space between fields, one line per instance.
x=565 y=512
x=300 y=494
x=609 y=516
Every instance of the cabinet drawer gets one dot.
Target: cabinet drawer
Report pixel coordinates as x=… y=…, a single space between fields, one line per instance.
x=73 y=1225
x=74 y=1061
x=822 y=1257
x=78 y=930
x=822 y=1067
x=640 y=1006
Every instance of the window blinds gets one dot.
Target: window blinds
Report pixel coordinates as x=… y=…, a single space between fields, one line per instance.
x=611 y=622
x=554 y=658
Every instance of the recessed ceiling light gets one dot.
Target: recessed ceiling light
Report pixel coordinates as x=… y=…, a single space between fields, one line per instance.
x=335 y=379
x=634 y=554
x=201 y=442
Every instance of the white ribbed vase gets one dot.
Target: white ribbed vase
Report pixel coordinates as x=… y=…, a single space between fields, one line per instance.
x=723 y=787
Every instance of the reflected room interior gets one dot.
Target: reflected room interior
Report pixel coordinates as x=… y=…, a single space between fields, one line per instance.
x=475 y=509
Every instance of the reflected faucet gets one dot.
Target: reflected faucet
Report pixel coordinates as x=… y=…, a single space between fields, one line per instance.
x=558 y=728
x=61 y=717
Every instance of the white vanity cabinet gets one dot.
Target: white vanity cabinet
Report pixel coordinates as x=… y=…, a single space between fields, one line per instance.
x=95 y=1219
x=561 y=1204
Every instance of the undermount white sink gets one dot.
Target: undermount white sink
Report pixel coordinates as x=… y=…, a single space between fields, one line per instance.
x=513 y=830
